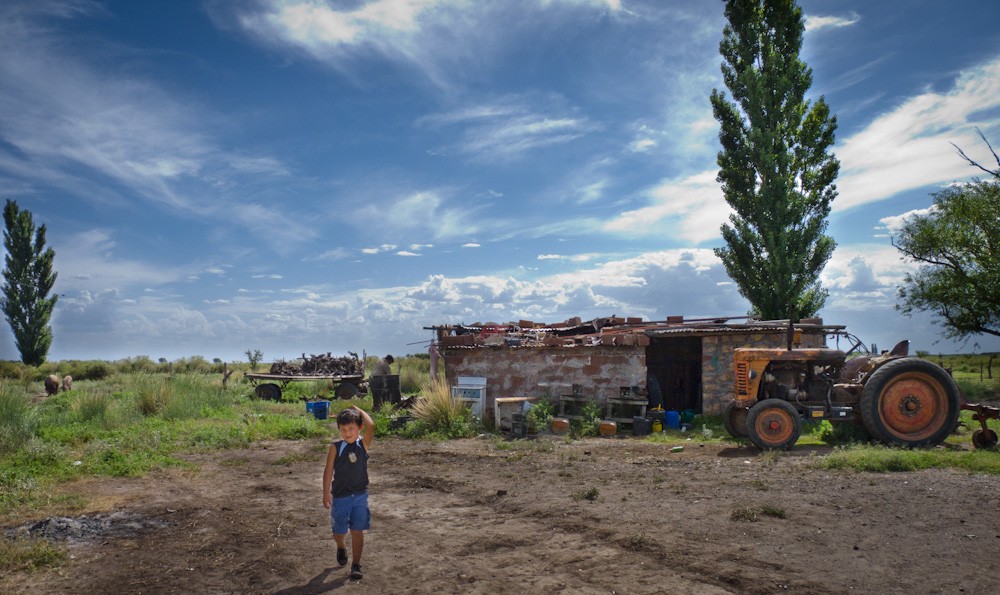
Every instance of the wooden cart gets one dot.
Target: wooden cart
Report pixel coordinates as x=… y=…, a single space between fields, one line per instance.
x=269 y=386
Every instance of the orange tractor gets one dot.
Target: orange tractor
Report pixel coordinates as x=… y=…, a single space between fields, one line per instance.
x=899 y=400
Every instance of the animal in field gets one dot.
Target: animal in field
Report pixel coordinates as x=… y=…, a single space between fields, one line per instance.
x=51 y=384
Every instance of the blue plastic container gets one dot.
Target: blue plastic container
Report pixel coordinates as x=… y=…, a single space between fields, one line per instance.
x=673 y=420
x=319 y=409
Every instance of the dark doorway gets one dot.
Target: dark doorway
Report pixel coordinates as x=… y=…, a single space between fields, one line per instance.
x=676 y=363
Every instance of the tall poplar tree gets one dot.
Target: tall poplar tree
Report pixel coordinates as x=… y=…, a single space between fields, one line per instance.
x=28 y=279
x=775 y=169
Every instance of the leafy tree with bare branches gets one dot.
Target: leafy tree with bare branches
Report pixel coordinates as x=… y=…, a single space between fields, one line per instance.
x=957 y=245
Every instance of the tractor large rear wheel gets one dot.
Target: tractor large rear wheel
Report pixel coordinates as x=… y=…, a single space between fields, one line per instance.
x=773 y=424
x=734 y=418
x=910 y=402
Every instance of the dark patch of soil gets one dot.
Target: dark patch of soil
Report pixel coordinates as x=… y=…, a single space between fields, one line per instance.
x=88 y=527
x=467 y=517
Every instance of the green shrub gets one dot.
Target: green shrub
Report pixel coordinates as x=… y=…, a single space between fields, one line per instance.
x=591 y=422
x=18 y=419
x=382 y=419
x=139 y=363
x=836 y=434
x=194 y=364
x=93 y=371
x=12 y=370
x=540 y=414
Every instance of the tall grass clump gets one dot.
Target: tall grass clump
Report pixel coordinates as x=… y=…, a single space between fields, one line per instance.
x=152 y=394
x=410 y=380
x=438 y=415
x=18 y=421
x=91 y=407
x=193 y=396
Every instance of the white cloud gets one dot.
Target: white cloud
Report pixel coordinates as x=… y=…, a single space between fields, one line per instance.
x=508 y=128
x=910 y=146
x=641 y=145
x=863 y=275
x=437 y=38
x=592 y=192
x=332 y=254
x=379 y=249
x=693 y=204
x=815 y=23
x=111 y=137
x=894 y=223
x=612 y=5
x=88 y=262
x=471 y=245
x=406 y=253
x=572 y=258
x=418 y=214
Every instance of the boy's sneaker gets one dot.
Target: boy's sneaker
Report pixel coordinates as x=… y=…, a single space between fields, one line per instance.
x=356 y=573
x=342 y=556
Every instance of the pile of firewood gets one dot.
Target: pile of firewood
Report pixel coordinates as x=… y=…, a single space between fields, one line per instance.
x=321 y=365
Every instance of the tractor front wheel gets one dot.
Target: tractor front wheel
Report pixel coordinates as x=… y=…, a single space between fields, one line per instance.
x=910 y=402
x=773 y=424
x=734 y=418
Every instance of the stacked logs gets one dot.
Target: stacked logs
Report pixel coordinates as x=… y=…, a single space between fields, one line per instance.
x=321 y=365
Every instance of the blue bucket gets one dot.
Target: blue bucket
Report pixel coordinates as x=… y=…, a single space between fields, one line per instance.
x=319 y=409
x=673 y=420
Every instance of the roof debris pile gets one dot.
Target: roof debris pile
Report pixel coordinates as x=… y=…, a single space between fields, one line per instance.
x=612 y=330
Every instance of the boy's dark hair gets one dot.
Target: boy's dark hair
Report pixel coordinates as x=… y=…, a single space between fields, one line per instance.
x=348 y=416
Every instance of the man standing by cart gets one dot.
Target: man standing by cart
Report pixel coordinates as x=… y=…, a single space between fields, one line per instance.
x=383 y=367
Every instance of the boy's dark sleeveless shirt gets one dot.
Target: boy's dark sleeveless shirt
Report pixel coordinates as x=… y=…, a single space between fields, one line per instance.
x=349 y=478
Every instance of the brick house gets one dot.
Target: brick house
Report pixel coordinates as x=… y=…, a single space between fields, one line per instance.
x=692 y=360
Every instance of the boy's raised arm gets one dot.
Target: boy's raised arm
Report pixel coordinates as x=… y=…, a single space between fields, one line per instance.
x=367 y=427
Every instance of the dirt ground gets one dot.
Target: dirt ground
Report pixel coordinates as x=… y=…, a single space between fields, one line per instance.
x=475 y=516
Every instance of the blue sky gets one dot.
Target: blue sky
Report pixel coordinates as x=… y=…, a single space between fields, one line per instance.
x=307 y=175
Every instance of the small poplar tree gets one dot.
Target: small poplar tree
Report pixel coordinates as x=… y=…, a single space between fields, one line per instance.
x=28 y=280
x=774 y=167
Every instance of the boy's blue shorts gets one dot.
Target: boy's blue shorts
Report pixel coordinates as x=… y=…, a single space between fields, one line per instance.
x=350 y=512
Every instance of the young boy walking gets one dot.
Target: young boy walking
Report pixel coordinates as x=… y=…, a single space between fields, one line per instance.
x=345 y=485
